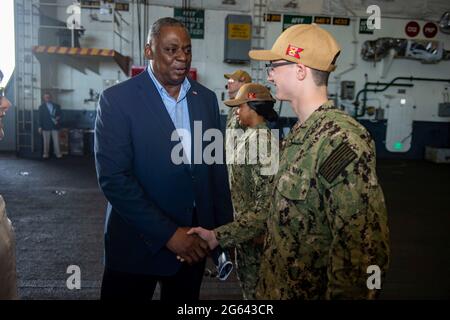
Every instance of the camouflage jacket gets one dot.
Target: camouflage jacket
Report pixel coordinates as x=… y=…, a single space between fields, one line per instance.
x=232 y=123
x=8 y=276
x=249 y=193
x=328 y=219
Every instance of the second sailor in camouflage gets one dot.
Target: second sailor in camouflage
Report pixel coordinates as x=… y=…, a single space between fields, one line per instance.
x=235 y=81
x=249 y=184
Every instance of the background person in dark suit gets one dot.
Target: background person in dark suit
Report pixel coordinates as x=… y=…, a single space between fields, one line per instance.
x=152 y=201
x=49 y=123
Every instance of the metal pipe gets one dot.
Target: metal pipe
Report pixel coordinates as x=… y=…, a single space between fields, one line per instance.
x=31 y=26
x=15 y=73
x=365 y=90
x=122 y=19
x=377 y=84
x=121 y=37
x=354 y=63
x=387 y=85
x=47 y=4
x=54 y=27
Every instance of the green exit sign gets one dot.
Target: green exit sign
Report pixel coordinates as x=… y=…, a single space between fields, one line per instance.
x=398 y=145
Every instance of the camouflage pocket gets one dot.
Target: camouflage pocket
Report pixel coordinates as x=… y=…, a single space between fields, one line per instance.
x=294 y=186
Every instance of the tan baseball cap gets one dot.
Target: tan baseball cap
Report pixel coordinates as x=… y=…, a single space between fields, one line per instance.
x=250 y=92
x=303 y=43
x=239 y=75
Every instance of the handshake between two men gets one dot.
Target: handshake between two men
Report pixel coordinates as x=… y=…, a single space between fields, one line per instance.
x=192 y=244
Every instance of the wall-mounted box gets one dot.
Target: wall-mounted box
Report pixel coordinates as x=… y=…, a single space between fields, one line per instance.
x=444 y=109
x=238 y=38
x=437 y=155
x=347 y=90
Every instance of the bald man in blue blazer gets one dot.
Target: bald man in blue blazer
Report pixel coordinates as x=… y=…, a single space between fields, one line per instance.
x=152 y=200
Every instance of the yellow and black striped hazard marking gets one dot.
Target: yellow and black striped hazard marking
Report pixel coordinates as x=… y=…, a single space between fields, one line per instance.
x=74 y=51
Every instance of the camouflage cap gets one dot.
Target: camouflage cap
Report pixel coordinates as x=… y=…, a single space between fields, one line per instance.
x=250 y=92
x=303 y=43
x=239 y=75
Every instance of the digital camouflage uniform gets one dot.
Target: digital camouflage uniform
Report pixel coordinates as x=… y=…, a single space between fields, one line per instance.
x=328 y=219
x=232 y=123
x=249 y=193
x=8 y=274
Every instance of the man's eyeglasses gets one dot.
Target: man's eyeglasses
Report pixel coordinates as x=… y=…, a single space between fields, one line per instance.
x=271 y=66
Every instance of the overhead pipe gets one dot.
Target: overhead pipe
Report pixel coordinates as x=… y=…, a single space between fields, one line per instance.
x=386 y=86
x=366 y=89
x=353 y=64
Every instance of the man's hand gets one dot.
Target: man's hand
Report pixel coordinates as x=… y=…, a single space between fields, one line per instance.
x=40 y=130
x=207 y=235
x=189 y=248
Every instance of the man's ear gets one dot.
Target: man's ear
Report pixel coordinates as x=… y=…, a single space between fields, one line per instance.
x=148 y=52
x=301 y=71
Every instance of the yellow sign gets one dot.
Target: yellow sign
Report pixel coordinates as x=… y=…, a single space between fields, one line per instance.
x=341 y=21
x=239 y=31
x=272 y=17
x=322 y=20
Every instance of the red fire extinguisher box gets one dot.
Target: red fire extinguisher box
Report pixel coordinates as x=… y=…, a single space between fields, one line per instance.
x=193 y=73
x=135 y=70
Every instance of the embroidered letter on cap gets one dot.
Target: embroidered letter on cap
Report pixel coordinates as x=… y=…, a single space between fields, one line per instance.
x=294 y=51
x=251 y=95
x=336 y=162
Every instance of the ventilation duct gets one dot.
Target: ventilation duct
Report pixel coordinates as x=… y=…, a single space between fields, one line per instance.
x=444 y=23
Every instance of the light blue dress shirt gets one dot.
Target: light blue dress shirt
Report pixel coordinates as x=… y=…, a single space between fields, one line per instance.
x=50 y=108
x=177 y=109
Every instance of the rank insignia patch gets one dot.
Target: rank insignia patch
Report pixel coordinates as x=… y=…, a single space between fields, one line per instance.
x=294 y=51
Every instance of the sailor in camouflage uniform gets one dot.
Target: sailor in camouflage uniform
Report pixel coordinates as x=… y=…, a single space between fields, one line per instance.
x=327 y=221
x=249 y=184
x=235 y=81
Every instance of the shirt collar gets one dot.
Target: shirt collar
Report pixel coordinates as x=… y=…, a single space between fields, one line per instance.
x=185 y=86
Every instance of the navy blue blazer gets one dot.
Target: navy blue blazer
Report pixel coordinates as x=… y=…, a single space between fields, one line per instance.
x=148 y=196
x=45 y=118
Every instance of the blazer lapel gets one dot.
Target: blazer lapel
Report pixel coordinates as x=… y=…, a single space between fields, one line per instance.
x=151 y=97
x=194 y=103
